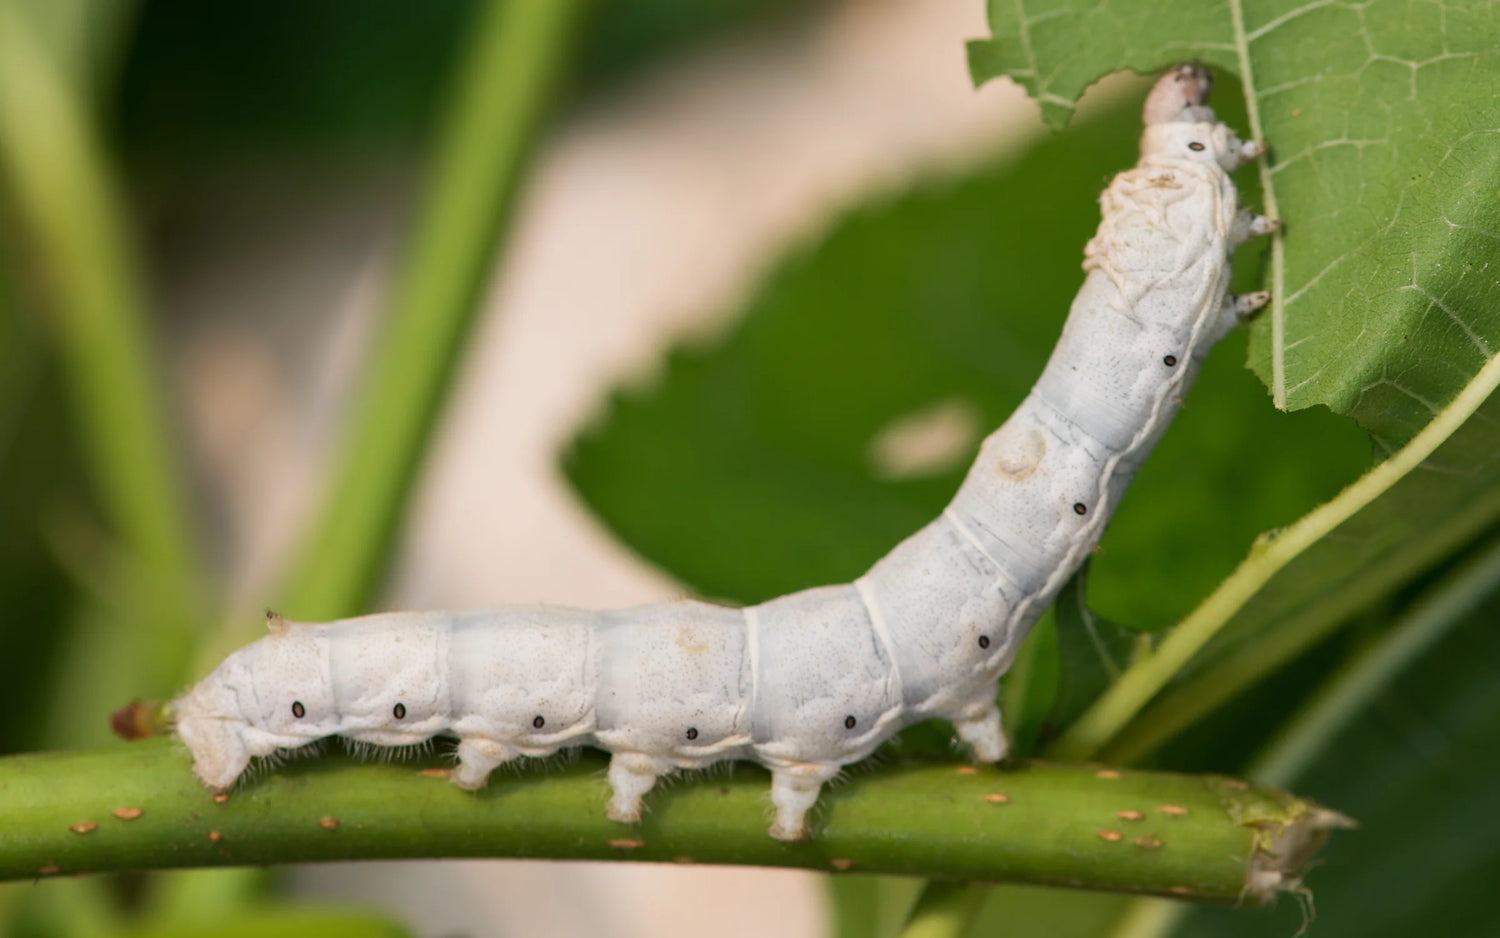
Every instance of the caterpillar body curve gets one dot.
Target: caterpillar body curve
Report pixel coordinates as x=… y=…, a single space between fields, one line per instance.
x=809 y=682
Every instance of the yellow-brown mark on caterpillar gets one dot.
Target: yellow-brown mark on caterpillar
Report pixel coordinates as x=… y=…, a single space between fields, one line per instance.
x=1111 y=836
x=689 y=641
x=1106 y=773
x=328 y=823
x=434 y=773
x=840 y=864
x=1148 y=842
x=627 y=843
x=49 y=871
x=996 y=797
x=83 y=827
x=221 y=797
x=1173 y=810
x=215 y=836
x=1016 y=466
x=1130 y=815
x=966 y=770
x=127 y=814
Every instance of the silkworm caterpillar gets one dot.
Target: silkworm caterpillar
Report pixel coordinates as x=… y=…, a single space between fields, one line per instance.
x=809 y=682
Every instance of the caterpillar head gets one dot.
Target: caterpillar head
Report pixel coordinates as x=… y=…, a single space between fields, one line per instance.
x=1180 y=95
x=1180 y=125
x=272 y=694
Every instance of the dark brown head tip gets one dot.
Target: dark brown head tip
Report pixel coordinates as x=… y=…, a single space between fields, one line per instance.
x=1186 y=86
x=137 y=720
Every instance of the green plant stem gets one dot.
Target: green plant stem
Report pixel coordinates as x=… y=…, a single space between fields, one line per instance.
x=87 y=38
x=869 y=906
x=1344 y=697
x=1149 y=918
x=498 y=102
x=1287 y=638
x=59 y=178
x=57 y=813
x=61 y=189
x=944 y=910
x=1372 y=669
x=1111 y=718
x=1145 y=678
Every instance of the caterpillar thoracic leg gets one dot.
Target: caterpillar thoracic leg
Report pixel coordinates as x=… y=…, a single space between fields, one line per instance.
x=810 y=682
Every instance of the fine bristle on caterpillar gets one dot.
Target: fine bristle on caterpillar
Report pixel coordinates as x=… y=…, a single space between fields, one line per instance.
x=810 y=682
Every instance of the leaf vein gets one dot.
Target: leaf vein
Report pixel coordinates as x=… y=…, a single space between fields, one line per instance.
x=1288 y=16
x=1268 y=198
x=1474 y=337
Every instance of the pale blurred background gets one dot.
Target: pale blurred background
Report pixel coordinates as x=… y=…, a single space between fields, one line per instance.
x=649 y=213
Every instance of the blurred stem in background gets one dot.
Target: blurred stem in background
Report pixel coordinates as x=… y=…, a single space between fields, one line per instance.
x=1370 y=671
x=945 y=910
x=75 y=229
x=499 y=100
x=76 y=240
x=494 y=108
x=77 y=233
x=87 y=39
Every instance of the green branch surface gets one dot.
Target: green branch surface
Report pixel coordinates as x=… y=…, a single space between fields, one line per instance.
x=139 y=807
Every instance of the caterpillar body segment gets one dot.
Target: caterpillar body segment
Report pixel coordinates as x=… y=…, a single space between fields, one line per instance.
x=807 y=683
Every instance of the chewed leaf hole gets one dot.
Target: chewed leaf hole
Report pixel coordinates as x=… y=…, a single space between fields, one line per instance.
x=926 y=442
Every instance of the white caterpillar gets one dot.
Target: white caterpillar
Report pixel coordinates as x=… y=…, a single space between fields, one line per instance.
x=809 y=682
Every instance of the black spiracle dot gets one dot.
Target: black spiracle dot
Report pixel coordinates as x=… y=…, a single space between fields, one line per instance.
x=984 y=641
x=849 y=722
x=692 y=732
x=538 y=722
x=400 y=711
x=1170 y=361
x=298 y=710
x=1196 y=147
x=1079 y=508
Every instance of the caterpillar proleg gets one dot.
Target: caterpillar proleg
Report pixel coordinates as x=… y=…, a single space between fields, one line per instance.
x=807 y=683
